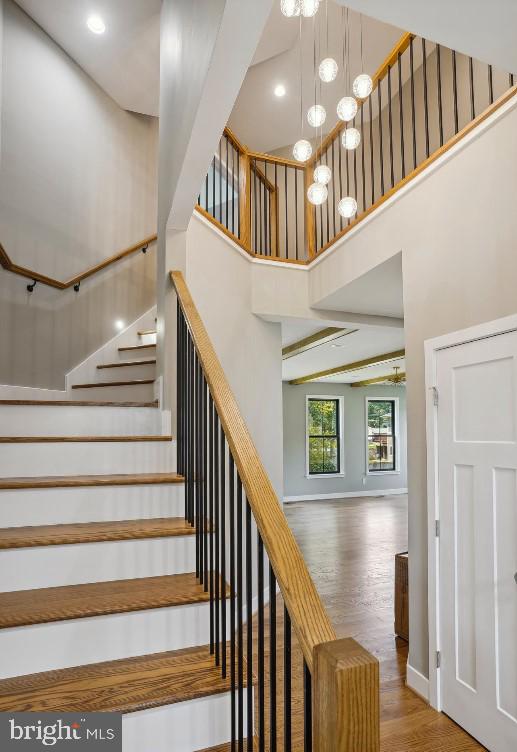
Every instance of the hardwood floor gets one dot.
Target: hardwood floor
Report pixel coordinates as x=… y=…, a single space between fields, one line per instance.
x=349 y=547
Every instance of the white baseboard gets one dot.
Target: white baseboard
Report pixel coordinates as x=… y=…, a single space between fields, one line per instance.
x=346 y=495
x=417 y=682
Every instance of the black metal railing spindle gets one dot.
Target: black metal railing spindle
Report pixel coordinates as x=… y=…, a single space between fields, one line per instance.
x=249 y=631
x=216 y=532
x=272 y=661
x=211 y=519
x=426 y=99
x=240 y=630
x=390 y=129
x=260 y=659
x=233 y=686
x=307 y=709
x=287 y=682
x=222 y=528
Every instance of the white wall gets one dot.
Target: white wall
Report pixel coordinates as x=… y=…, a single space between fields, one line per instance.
x=296 y=482
x=456 y=226
x=77 y=184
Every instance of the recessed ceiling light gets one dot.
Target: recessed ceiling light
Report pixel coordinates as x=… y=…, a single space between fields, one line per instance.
x=96 y=24
x=119 y=324
x=280 y=90
x=336 y=345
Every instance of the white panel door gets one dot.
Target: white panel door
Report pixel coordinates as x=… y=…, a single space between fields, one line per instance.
x=477 y=491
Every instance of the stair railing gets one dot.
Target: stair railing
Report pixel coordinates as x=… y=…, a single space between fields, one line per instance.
x=425 y=99
x=323 y=694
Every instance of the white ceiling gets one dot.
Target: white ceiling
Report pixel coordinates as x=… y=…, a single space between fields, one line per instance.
x=379 y=292
x=125 y=60
x=485 y=30
x=359 y=345
x=266 y=123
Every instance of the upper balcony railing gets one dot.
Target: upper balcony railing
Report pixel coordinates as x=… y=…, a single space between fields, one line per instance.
x=426 y=97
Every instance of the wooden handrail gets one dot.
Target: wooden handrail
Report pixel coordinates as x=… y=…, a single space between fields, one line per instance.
x=57 y=284
x=345 y=676
x=310 y=620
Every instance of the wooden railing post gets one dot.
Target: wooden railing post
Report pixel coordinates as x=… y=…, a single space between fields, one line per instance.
x=245 y=200
x=345 y=690
x=309 y=215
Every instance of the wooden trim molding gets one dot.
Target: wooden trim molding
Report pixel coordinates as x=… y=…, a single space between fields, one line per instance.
x=380 y=380
x=9 y=266
x=314 y=340
x=347 y=367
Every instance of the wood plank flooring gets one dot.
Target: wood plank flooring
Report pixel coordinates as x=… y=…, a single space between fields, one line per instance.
x=349 y=547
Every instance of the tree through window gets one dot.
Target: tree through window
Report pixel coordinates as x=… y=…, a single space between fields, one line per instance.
x=381 y=436
x=323 y=422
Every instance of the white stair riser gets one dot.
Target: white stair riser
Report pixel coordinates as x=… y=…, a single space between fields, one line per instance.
x=73 y=564
x=184 y=727
x=143 y=354
x=126 y=373
x=147 y=339
x=62 y=644
x=87 y=458
x=54 y=506
x=28 y=420
x=132 y=393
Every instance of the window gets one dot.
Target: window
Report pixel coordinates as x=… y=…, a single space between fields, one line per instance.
x=382 y=435
x=324 y=436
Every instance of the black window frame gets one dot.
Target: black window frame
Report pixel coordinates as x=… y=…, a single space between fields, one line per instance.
x=336 y=436
x=393 y=466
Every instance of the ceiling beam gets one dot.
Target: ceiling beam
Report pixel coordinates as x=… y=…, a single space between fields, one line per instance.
x=375 y=360
x=380 y=379
x=314 y=340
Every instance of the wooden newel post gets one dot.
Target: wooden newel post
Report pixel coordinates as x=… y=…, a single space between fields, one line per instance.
x=345 y=690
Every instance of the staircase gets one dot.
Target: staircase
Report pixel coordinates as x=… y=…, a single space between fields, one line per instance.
x=100 y=607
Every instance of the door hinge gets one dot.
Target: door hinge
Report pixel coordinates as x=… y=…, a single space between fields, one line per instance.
x=437 y=528
x=435 y=396
x=438 y=659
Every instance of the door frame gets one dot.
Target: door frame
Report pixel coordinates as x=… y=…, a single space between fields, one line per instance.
x=431 y=348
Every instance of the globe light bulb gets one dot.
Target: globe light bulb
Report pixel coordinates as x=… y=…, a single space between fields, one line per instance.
x=317 y=194
x=351 y=138
x=290 y=8
x=309 y=7
x=302 y=150
x=316 y=115
x=362 y=86
x=347 y=207
x=322 y=174
x=346 y=109
x=328 y=70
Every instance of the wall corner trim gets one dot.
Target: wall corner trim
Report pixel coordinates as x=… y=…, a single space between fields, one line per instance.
x=346 y=495
x=417 y=682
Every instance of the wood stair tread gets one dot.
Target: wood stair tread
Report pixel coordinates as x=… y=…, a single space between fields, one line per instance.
x=136 y=347
x=126 y=685
x=227 y=747
x=122 y=364
x=73 y=481
x=92 y=532
x=77 y=403
x=146 y=332
x=23 y=607
x=95 y=385
x=79 y=439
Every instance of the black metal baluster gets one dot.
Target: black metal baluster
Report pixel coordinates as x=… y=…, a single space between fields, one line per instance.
x=233 y=189
x=490 y=84
x=455 y=90
x=333 y=180
x=296 y=208
x=355 y=168
x=511 y=79
x=206 y=191
x=261 y=675
x=413 y=112
x=197 y=470
x=238 y=193
x=206 y=526
x=426 y=103
x=255 y=245
x=220 y=183
x=439 y=80
x=287 y=682
x=286 y=219
x=261 y=214
x=381 y=153
x=272 y=660
x=231 y=493
x=326 y=202
x=340 y=150
x=222 y=507
x=240 y=645
x=390 y=128
x=213 y=187
x=471 y=82
x=277 y=226
x=372 y=172
x=272 y=195
x=217 y=534
x=249 y=629
x=307 y=709
x=210 y=521
x=226 y=139
x=401 y=118
x=321 y=223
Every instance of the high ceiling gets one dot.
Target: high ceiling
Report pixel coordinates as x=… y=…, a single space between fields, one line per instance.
x=125 y=60
x=267 y=123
